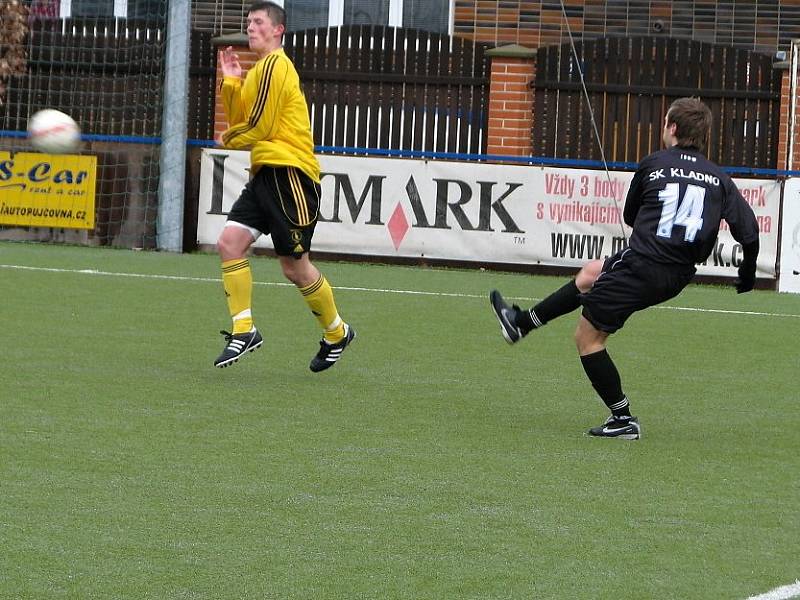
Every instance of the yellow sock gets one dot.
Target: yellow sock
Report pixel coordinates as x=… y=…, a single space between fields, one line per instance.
x=237 y=279
x=319 y=297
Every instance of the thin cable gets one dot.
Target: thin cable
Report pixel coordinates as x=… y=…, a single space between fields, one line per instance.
x=591 y=117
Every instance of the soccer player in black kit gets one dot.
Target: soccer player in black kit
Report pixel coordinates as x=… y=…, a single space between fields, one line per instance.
x=675 y=203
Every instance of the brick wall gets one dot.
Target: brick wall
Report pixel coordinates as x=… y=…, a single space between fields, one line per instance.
x=794 y=164
x=511 y=101
x=783 y=134
x=762 y=25
x=786 y=125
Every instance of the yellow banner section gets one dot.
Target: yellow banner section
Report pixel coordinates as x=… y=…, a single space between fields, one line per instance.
x=47 y=190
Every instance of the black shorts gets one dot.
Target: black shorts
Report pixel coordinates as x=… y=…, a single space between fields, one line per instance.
x=629 y=282
x=282 y=202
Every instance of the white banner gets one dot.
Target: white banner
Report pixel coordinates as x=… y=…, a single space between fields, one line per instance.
x=790 y=238
x=485 y=213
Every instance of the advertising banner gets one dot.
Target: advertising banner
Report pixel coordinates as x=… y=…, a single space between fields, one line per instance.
x=475 y=212
x=47 y=190
x=790 y=238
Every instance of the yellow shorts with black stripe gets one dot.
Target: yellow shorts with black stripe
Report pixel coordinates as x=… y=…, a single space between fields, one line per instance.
x=282 y=202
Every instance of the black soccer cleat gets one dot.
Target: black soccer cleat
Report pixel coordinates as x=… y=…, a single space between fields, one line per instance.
x=623 y=428
x=237 y=344
x=329 y=353
x=507 y=316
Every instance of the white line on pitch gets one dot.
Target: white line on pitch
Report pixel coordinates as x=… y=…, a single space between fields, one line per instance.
x=785 y=592
x=363 y=289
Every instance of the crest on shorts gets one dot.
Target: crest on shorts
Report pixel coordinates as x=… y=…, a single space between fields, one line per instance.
x=297 y=237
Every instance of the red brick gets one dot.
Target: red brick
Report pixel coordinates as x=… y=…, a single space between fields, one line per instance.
x=507 y=114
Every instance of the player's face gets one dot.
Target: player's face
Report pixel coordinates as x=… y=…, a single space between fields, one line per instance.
x=263 y=35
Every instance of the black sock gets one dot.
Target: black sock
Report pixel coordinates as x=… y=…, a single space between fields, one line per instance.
x=605 y=380
x=564 y=300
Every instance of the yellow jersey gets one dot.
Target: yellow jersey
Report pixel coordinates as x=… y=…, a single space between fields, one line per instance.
x=268 y=114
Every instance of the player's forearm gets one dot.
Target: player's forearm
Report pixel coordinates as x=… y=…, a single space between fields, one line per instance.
x=231 y=95
x=241 y=137
x=750 y=255
x=244 y=135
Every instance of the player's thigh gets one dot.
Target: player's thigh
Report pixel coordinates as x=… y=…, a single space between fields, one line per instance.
x=665 y=282
x=293 y=216
x=234 y=240
x=250 y=208
x=616 y=294
x=630 y=283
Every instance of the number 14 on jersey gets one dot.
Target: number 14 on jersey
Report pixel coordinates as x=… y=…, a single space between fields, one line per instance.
x=687 y=213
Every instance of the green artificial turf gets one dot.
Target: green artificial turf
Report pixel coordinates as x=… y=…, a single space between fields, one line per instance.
x=433 y=461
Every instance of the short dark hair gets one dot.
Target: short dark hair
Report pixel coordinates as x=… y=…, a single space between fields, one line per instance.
x=693 y=122
x=274 y=11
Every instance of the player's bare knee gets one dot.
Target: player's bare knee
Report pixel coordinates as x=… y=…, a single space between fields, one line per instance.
x=225 y=247
x=233 y=244
x=586 y=277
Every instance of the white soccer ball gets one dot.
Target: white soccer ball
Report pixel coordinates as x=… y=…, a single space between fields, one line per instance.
x=54 y=132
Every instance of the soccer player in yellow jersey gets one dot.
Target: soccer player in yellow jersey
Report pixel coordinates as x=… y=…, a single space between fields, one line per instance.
x=268 y=114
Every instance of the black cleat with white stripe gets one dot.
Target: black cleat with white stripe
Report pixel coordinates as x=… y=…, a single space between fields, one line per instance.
x=329 y=353
x=237 y=344
x=625 y=428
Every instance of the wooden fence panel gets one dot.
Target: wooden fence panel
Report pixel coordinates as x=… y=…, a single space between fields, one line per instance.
x=546 y=125
x=396 y=64
x=390 y=88
x=632 y=81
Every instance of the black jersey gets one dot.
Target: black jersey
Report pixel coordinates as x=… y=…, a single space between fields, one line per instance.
x=676 y=200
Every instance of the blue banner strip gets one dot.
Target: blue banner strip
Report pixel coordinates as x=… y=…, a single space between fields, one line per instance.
x=491 y=158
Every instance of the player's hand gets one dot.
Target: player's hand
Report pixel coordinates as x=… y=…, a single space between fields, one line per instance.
x=746 y=280
x=229 y=63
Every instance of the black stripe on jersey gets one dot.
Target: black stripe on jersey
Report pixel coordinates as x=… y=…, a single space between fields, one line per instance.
x=234 y=131
x=260 y=103
x=263 y=90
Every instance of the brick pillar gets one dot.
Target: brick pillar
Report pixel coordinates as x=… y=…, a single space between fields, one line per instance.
x=247 y=59
x=783 y=130
x=794 y=160
x=511 y=100
x=790 y=110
